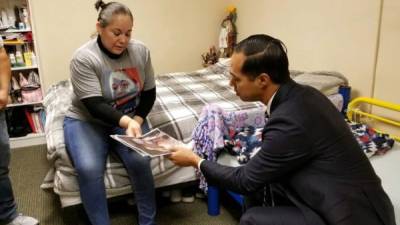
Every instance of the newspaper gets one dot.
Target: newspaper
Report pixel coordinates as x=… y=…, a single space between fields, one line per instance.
x=154 y=143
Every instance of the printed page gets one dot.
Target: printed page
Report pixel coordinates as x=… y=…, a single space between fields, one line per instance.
x=154 y=143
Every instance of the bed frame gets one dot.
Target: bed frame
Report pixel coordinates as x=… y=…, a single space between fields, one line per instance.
x=356 y=114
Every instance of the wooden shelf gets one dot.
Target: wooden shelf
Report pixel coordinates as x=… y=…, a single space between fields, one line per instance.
x=23 y=41
x=15 y=42
x=23 y=104
x=23 y=68
x=17 y=30
x=28 y=140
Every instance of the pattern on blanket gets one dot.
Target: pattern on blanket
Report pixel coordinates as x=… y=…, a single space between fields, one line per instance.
x=371 y=141
x=215 y=126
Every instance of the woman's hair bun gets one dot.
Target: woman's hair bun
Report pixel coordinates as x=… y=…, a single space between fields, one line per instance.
x=99 y=4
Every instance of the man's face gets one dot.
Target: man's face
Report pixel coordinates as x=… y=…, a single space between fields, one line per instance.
x=246 y=88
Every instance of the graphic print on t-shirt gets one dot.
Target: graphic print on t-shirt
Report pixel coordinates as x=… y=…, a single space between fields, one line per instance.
x=124 y=87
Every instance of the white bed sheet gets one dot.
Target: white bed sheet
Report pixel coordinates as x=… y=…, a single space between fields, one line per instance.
x=387 y=167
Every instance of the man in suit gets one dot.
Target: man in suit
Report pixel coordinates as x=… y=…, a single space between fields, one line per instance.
x=310 y=169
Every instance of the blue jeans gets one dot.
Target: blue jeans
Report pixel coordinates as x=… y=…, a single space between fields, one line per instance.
x=8 y=207
x=88 y=145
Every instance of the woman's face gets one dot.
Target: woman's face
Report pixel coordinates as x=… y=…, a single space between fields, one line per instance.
x=116 y=35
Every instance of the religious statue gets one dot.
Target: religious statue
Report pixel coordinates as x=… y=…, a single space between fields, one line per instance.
x=228 y=33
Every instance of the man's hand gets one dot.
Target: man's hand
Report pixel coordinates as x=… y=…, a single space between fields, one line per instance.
x=184 y=156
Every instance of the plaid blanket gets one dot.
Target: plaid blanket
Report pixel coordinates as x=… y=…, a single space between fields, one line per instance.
x=181 y=97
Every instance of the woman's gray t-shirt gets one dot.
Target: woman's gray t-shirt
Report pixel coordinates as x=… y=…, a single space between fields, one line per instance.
x=120 y=81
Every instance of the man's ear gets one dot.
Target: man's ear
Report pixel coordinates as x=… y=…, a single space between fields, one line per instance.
x=264 y=79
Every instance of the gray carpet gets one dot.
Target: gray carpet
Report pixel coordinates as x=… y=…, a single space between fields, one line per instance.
x=29 y=166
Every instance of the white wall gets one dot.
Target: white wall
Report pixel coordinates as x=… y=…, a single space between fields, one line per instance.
x=320 y=35
x=338 y=35
x=387 y=79
x=176 y=31
x=358 y=38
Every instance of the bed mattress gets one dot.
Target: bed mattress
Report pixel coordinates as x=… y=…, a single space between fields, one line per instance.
x=387 y=167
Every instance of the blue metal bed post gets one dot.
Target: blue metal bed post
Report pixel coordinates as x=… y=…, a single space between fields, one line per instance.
x=345 y=91
x=213 y=200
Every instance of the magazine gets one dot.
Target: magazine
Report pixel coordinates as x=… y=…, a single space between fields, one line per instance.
x=154 y=143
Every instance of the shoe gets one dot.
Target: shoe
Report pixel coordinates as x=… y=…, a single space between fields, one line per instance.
x=23 y=220
x=188 y=199
x=176 y=196
x=188 y=195
x=200 y=194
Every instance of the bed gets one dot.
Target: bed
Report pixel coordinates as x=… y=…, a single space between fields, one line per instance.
x=180 y=99
x=386 y=165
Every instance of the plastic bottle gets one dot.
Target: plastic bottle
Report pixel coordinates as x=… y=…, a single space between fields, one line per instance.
x=33 y=59
x=4 y=18
x=19 y=59
x=25 y=19
x=28 y=58
x=12 y=60
x=11 y=20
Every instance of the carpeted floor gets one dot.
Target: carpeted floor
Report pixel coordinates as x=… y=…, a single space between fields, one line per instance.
x=29 y=166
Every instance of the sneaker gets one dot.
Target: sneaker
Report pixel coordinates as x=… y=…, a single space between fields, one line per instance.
x=188 y=195
x=23 y=220
x=200 y=194
x=176 y=196
x=188 y=199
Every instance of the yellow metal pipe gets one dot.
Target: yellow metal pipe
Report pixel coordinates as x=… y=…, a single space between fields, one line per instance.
x=353 y=110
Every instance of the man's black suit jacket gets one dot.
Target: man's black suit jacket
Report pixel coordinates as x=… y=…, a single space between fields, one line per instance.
x=309 y=150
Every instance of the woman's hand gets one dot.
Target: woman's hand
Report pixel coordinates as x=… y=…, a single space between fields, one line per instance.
x=183 y=156
x=132 y=126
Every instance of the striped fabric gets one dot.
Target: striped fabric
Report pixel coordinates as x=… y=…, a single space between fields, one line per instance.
x=181 y=98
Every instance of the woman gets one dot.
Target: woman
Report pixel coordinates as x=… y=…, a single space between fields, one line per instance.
x=114 y=90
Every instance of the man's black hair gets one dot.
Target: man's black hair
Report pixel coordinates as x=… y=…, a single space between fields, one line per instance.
x=264 y=54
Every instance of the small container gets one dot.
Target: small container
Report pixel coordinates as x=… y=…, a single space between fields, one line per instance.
x=19 y=59
x=33 y=59
x=21 y=25
x=28 y=58
x=12 y=60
